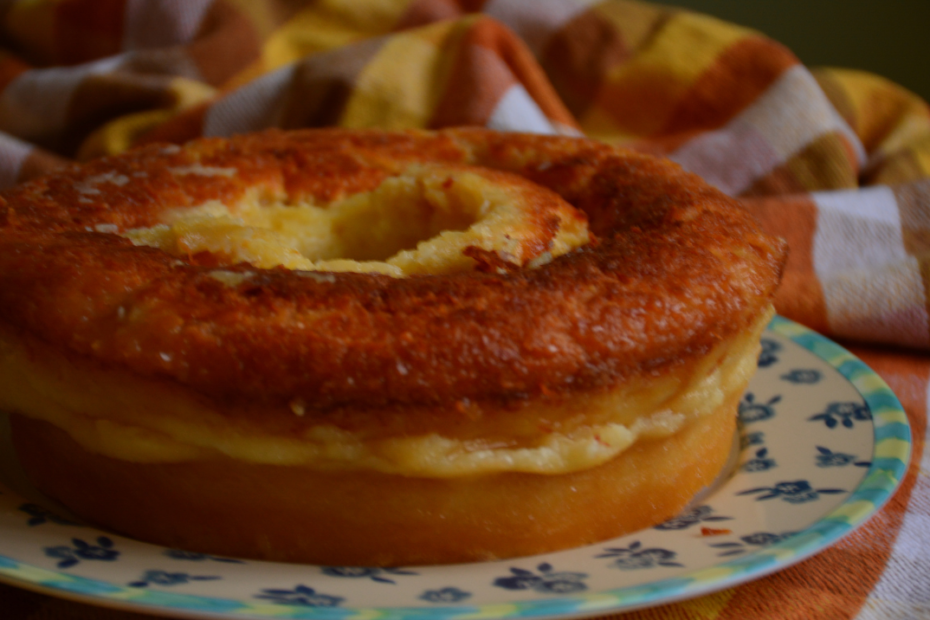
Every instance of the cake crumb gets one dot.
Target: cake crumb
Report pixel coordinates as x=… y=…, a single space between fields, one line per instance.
x=298 y=407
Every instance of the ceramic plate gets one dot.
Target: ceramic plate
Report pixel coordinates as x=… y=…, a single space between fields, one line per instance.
x=823 y=444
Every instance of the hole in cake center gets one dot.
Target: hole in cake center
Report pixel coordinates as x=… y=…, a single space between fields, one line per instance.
x=398 y=216
x=416 y=223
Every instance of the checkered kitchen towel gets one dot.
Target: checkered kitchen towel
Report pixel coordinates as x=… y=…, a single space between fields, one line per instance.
x=836 y=161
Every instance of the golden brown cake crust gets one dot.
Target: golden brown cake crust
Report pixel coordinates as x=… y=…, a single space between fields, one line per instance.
x=676 y=267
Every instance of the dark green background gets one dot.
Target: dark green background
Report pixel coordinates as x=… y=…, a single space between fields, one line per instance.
x=887 y=37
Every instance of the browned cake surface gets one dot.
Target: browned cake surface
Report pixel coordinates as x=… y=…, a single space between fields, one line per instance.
x=675 y=268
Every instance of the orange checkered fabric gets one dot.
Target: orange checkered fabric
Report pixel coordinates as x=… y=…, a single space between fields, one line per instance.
x=836 y=161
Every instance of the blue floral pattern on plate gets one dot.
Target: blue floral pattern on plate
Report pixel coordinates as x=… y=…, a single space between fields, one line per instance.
x=164 y=578
x=805 y=376
x=635 y=557
x=769 y=353
x=840 y=444
x=301 y=595
x=193 y=556
x=445 y=595
x=691 y=516
x=828 y=458
x=746 y=543
x=80 y=549
x=760 y=462
x=843 y=414
x=365 y=572
x=545 y=580
x=793 y=492
x=752 y=411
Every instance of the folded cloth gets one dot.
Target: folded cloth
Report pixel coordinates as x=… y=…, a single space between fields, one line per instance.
x=836 y=161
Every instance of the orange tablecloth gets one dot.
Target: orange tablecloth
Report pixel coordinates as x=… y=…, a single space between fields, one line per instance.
x=836 y=161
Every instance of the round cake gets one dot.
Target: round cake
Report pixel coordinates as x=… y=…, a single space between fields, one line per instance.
x=377 y=348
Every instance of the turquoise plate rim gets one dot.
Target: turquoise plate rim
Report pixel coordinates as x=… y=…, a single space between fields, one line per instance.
x=890 y=460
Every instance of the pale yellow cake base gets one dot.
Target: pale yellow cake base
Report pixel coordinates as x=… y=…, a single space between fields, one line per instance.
x=256 y=504
x=293 y=514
